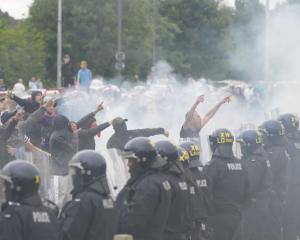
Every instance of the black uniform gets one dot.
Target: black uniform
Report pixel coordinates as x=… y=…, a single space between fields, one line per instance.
x=28 y=220
x=228 y=184
x=279 y=166
x=202 y=203
x=180 y=221
x=258 y=222
x=90 y=215
x=292 y=211
x=144 y=206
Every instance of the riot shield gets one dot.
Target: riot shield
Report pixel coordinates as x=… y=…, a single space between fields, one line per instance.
x=117 y=170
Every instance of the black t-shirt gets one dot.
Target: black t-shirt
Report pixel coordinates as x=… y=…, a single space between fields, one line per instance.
x=189 y=132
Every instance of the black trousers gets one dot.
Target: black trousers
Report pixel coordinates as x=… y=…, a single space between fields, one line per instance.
x=224 y=225
x=291 y=220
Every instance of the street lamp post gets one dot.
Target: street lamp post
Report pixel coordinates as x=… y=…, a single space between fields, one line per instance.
x=120 y=55
x=59 y=44
x=154 y=22
x=267 y=33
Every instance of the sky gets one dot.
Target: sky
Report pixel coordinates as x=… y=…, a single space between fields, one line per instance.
x=19 y=8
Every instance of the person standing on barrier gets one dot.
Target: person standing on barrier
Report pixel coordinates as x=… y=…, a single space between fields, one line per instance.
x=144 y=202
x=227 y=188
x=67 y=72
x=91 y=214
x=257 y=222
x=193 y=123
x=23 y=216
x=291 y=218
x=84 y=76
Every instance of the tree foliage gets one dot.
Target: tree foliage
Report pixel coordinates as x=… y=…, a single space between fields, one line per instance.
x=201 y=38
x=22 y=52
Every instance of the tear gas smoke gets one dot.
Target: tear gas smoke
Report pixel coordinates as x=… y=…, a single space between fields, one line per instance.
x=162 y=101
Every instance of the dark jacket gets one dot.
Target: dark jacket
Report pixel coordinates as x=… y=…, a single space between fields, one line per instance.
x=28 y=220
x=46 y=123
x=86 y=135
x=119 y=139
x=201 y=180
x=143 y=206
x=16 y=140
x=68 y=74
x=5 y=133
x=228 y=184
x=259 y=176
x=180 y=221
x=29 y=105
x=279 y=160
x=90 y=215
x=62 y=147
x=292 y=146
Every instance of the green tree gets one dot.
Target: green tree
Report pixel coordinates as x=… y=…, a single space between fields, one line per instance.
x=22 y=53
x=202 y=45
x=90 y=33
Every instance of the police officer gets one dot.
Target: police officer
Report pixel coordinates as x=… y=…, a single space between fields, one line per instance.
x=227 y=188
x=292 y=144
x=145 y=200
x=257 y=223
x=195 y=168
x=195 y=165
x=273 y=133
x=24 y=217
x=180 y=222
x=91 y=213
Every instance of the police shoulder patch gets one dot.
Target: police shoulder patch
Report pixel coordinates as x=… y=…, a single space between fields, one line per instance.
x=192 y=190
x=183 y=186
x=166 y=185
x=108 y=203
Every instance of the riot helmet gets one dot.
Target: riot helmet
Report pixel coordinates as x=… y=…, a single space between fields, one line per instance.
x=21 y=179
x=167 y=150
x=194 y=154
x=273 y=132
x=250 y=141
x=87 y=167
x=142 y=150
x=184 y=157
x=290 y=122
x=221 y=141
